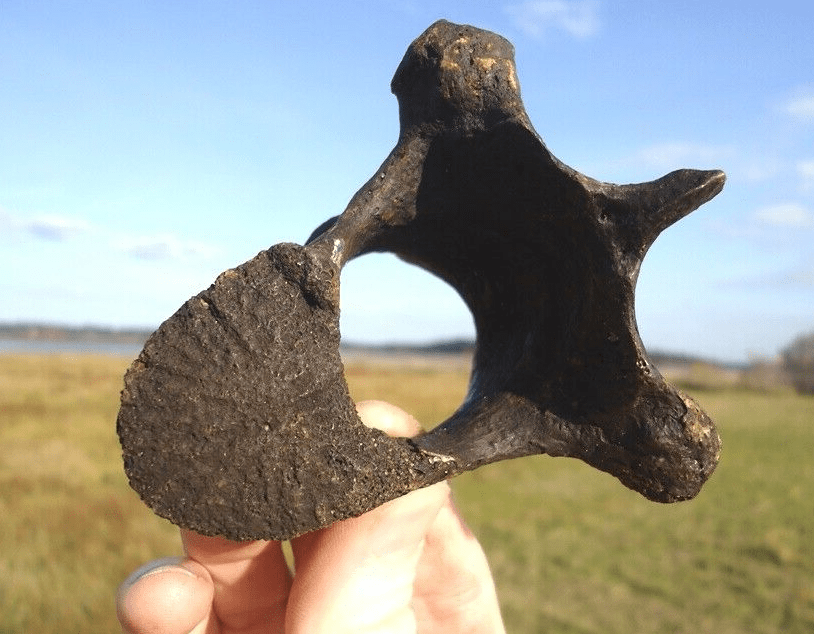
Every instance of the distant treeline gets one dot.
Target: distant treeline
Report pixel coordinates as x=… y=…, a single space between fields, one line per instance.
x=94 y=334
x=101 y=334
x=451 y=346
x=467 y=346
x=662 y=358
x=52 y=332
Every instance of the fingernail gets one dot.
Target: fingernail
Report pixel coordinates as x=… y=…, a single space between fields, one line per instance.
x=155 y=567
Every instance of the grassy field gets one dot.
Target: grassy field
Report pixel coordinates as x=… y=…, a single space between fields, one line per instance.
x=572 y=550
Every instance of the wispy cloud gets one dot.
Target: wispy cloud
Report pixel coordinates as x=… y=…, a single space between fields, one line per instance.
x=580 y=19
x=801 y=107
x=756 y=169
x=786 y=215
x=62 y=228
x=795 y=277
x=805 y=169
x=7 y=223
x=166 y=247
x=669 y=156
x=55 y=228
x=50 y=227
x=798 y=278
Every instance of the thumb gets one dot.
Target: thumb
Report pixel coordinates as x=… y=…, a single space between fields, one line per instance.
x=357 y=575
x=171 y=596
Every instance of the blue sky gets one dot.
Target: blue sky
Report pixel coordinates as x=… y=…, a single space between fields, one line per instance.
x=147 y=146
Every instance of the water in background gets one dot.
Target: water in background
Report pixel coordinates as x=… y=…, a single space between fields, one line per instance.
x=25 y=346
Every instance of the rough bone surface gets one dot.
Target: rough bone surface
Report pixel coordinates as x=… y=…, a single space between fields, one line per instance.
x=236 y=420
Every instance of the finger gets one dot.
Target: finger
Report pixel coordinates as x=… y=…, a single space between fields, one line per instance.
x=454 y=590
x=251 y=581
x=170 y=596
x=387 y=418
x=357 y=575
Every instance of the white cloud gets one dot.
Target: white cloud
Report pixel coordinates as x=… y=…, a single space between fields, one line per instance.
x=7 y=223
x=760 y=169
x=51 y=227
x=800 y=278
x=786 y=215
x=801 y=107
x=579 y=19
x=805 y=169
x=800 y=275
x=670 y=156
x=56 y=228
x=166 y=247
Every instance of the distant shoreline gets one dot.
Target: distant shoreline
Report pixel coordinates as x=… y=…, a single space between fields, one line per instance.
x=79 y=334
x=79 y=348
x=45 y=338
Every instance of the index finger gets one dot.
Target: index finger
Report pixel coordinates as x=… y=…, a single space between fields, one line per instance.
x=252 y=579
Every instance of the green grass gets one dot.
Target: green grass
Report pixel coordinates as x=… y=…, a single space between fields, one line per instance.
x=572 y=550
x=70 y=530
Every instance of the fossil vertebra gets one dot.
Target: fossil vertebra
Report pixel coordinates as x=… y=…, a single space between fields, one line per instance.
x=236 y=418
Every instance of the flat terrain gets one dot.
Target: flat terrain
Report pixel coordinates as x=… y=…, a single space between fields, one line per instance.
x=572 y=550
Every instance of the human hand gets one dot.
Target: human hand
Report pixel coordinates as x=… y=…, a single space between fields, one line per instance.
x=410 y=565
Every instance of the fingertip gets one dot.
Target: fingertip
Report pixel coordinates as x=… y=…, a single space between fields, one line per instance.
x=167 y=595
x=388 y=418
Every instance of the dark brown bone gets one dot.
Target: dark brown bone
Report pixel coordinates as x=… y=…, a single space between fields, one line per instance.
x=236 y=418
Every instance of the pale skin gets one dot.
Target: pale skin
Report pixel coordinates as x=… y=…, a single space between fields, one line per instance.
x=409 y=566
